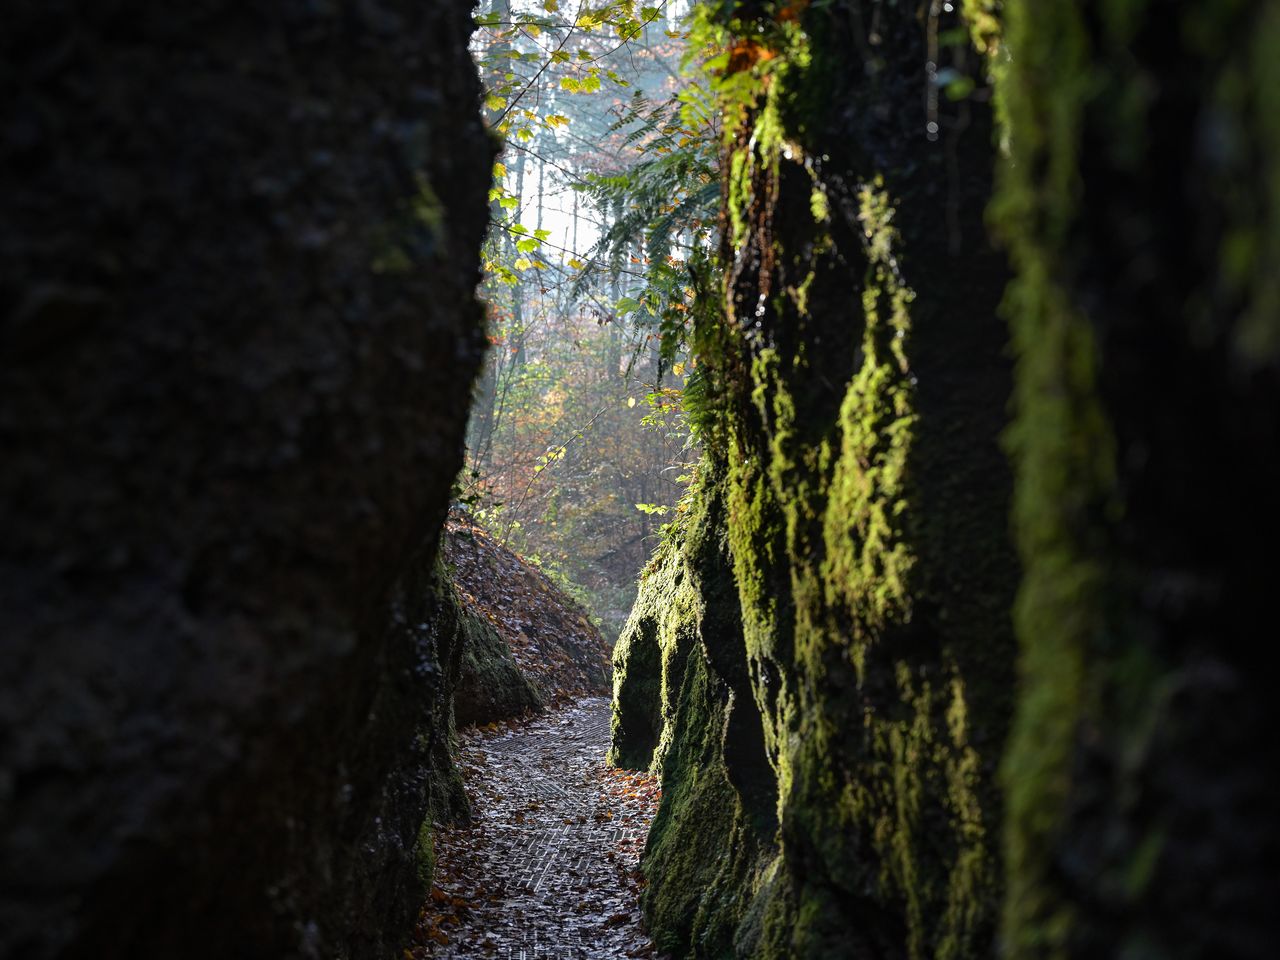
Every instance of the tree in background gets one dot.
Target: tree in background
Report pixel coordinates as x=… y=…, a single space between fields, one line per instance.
x=578 y=447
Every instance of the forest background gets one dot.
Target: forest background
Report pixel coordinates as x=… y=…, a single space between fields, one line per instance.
x=602 y=219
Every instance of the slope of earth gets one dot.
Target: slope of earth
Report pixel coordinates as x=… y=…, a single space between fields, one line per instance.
x=559 y=653
x=549 y=867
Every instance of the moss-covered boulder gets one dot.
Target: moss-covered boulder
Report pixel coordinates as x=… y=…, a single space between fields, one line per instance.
x=529 y=645
x=683 y=704
x=491 y=685
x=237 y=338
x=649 y=661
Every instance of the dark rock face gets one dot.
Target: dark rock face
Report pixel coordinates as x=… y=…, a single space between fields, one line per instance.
x=683 y=703
x=1133 y=814
x=1143 y=208
x=237 y=335
x=490 y=685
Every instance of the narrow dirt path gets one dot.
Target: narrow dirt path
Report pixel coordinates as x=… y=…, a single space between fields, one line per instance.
x=549 y=868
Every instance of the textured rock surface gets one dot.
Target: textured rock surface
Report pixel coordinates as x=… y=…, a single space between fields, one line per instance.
x=861 y=394
x=1142 y=205
x=860 y=384
x=237 y=263
x=683 y=703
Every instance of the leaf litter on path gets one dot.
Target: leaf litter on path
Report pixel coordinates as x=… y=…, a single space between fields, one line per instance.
x=550 y=867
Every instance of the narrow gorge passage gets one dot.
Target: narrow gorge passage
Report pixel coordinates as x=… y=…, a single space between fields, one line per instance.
x=549 y=867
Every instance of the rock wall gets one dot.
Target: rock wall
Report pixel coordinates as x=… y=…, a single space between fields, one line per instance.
x=237 y=261
x=859 y=381
x=1142 y=206
x=491 y=686
x=683 y=704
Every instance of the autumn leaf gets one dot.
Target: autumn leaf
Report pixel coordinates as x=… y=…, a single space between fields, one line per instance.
x=792 y=11
x=745 y=54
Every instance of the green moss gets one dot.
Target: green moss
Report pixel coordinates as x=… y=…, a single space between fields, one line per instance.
x=1096 y=664
x=1061 y=444
x=983 y=19
x=694 y=857
x=683 y=651
x=491 y=685
x=425 y=853
x=868 y=558
x=757 y=537
x=834 y=522
x=866 y=627
x=1258 y=337
x=649 y=661
x=865 y=501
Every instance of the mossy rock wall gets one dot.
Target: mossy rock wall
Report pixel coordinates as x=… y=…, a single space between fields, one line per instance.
x=683 y=704
x=649 y=661
x=860 y=383
x=491 y=685
x=862 y=386
x=1141 y=203
x=237 y=339
x=868 y=494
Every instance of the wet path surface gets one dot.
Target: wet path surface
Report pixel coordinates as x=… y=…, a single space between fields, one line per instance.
x=549 y=867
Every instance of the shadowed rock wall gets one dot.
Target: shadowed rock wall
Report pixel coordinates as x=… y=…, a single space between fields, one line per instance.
x=683 y=703
x=1142 y=207
x=238 y=250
